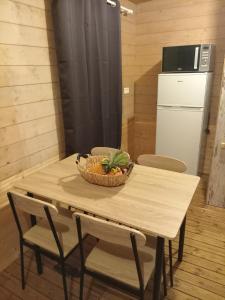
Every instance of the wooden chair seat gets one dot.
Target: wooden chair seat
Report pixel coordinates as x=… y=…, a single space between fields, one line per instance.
x=41 y=235
x=118 y=262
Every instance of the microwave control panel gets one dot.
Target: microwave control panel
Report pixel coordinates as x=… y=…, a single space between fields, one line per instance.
x=207 y=56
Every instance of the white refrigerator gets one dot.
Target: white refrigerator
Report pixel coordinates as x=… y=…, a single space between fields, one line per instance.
x=182 y=116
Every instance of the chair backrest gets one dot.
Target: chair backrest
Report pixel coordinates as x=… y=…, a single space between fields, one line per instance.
x=36 y=208
x=109 y=231
x=103 y=150
x=31 y=205
x=162 y=162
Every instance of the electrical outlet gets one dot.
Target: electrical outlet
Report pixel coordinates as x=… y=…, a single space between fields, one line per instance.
x=126 y=90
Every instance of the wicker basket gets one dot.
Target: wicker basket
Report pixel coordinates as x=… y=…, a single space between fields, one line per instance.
x=104 y=180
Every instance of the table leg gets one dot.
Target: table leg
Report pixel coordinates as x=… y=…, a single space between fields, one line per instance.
x=181 y=240
x=158 y=268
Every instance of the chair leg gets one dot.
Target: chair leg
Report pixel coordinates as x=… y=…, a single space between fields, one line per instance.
x=81 y=284
x=171 y=263
x=38 y=260
x=164 y=275
x=22 y=265
x=142 y=295
x=64 y=280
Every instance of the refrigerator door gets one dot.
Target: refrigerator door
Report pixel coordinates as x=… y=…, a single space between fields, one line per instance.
x=184 y=89
x=179 y=134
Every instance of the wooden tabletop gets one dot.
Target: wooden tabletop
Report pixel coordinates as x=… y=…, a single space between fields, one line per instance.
x=152 y=200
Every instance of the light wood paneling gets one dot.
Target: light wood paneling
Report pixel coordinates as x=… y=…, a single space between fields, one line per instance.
x=43 y=4
x=9 y=238
x=128 y=29
x=24 y=14
x=164 y=23
x=13 y=55
x=21 y=94
x=30 y=110
x=22 y=75
x=216 y=191
x=14 y=34
x=24 y=148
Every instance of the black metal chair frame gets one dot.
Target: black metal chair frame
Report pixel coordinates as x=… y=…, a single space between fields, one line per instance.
x=38 y=250
x=113 y=282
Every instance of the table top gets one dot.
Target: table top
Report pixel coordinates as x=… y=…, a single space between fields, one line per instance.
x=154 y=201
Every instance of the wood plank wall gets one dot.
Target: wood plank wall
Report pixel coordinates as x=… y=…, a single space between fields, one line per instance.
x=128 y=35
x=173 y=22
x=30 y=113
x=216 y=191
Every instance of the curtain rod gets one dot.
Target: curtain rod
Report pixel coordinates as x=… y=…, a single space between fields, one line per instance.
x=123 y=9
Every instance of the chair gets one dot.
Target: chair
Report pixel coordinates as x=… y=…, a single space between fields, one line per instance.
x=121 y=256
x=162 y=162
x=103 y=150
x=166 y=163
x=51 y=234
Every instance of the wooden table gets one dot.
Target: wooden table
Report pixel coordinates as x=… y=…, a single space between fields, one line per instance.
x=152 y=200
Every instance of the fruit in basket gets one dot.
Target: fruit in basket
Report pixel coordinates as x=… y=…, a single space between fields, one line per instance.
x=96 y=168
x=115 y=164
x=116 y=171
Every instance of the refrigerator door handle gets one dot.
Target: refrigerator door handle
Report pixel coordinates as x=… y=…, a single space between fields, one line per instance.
x=179 y=107
x=192 y=107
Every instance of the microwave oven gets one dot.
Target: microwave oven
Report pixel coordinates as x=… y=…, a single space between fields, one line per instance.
x=190 y=58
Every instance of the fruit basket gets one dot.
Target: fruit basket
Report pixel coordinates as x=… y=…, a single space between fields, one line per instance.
x=106 y=171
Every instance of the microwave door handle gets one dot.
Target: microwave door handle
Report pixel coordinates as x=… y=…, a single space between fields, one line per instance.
x=196 y=58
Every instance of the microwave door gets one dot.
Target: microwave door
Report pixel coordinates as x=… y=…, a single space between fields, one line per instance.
x=188 y=58
x=181 y=58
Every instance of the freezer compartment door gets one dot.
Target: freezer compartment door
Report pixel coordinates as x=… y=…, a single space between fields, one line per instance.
x=179 y=134
x=187 y=89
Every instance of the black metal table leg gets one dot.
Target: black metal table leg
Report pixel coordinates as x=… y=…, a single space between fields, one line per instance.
x=181 y=240
x=158 y=268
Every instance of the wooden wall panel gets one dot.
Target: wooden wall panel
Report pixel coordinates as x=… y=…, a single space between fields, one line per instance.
x=22 y=75
x=14 y=34
x=21 y=94
x=172 y=22
x=30 y=110
x=13 y=55
x=128 y=29
x=19 y=13
x=31 y=134
x=216 y=191
x=9 y=237
x=43 y=4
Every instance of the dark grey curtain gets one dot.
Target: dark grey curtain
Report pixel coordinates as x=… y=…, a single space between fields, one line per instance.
x=88 y=46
